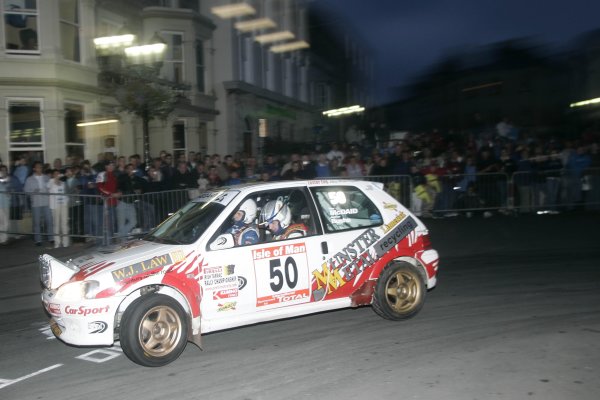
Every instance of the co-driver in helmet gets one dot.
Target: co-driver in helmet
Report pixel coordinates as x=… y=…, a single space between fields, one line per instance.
x=276 y=217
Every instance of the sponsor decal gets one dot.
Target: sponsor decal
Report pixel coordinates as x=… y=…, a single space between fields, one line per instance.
x=334 y=212
x=390 y=206
x=387 y=227
x=242 y=282
x=281 y=275
x=220 y=276
x=222 y=281
x=230 y=305
x=344 y=265
x=229 y=270
x=358 y=255
x=85 y=311
x=395 y=236
x=53 y=308
x=218 y=197
x=278 y=251
x=97 y=327
x=143 y=266
x=282 y=297
x=225 y=294
x=340 y=221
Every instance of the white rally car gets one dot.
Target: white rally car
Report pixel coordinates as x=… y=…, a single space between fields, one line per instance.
x=243 y=255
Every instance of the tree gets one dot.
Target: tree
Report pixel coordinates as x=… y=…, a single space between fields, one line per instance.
x=141 y=93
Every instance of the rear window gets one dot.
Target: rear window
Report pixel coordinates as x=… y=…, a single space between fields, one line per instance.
x=344 y=208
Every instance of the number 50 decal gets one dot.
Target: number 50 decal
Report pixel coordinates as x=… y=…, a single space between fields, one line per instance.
x=290 y=273
x=282 y=276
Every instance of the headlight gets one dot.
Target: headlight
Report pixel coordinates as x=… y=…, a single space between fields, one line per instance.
x=72 y=291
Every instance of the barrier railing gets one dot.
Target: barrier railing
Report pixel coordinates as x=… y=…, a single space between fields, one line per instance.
x=524 y=191
x=553 y=190
x=63 y=218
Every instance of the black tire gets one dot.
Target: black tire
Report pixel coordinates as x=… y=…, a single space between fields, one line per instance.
x=153 y=330
x=400 y=291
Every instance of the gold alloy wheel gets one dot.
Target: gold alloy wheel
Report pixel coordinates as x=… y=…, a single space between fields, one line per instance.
x=160 y=331
x=403 y=291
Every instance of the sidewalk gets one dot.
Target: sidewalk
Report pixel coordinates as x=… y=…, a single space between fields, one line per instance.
x=23 y=251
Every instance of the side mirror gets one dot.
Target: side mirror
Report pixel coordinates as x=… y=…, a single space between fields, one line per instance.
x=224 y=241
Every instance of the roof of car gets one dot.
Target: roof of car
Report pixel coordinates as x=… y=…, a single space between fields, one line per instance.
x=308 y=182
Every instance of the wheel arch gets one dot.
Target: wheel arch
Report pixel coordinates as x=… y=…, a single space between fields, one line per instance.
x=410 y=260
x=364 y=294
x=193 y=334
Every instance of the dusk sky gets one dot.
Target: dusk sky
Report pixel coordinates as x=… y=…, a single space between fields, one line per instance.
x=408 y=36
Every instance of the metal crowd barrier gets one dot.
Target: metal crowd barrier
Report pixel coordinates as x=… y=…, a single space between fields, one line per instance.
x=555 y=190
x=79 y=217
x=64 y=218
x=546 y=191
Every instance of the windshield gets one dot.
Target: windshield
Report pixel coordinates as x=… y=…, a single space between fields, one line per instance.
x=187 y=224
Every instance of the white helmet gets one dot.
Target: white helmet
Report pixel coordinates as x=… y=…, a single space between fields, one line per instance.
x=248 y=207
x=276 y=210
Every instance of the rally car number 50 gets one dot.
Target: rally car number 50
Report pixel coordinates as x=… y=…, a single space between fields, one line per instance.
x=242 y=255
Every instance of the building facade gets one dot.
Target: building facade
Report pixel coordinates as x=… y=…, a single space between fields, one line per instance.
x=49 y=78
x=261 y=94
x=235 y=92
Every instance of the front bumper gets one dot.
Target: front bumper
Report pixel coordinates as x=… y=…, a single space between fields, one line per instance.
x=82 y=323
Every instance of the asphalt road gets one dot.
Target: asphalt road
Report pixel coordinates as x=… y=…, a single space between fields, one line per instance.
x=516 y=315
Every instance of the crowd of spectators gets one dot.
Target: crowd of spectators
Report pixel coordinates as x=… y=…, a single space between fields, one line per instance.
x=438 y=173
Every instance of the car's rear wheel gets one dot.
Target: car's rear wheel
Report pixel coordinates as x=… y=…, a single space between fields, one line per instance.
x=400 y=291
x=153 y=330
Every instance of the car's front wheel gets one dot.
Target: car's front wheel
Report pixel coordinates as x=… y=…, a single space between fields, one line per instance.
x=153 y=330
x=400 y=291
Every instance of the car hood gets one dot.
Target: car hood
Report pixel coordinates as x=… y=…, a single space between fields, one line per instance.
x=127 y=254
x=132 y=260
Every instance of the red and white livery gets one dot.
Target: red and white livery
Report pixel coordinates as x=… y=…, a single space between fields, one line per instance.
x=357 y=246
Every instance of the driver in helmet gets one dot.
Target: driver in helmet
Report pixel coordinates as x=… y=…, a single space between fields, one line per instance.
x=244 y=229
x=276 y=218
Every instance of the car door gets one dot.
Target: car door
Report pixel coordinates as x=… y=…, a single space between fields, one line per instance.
x=350 y=221
x=241 y=278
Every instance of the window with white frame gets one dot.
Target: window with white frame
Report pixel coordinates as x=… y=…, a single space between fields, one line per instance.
x=74 y=139
x=173 y=63
x=69 y=29
x=21 y=26
x=25 y=128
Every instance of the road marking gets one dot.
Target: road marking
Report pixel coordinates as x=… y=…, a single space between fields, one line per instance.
x=7 y=382
x=46 y=331
x=108 y=355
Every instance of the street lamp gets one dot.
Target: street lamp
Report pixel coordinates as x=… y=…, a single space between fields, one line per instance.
x=131 y=71
x=343 y=112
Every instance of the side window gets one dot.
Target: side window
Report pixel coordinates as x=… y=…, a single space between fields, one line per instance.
x=268 y=216
x=345 y=207
x=285 y=214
